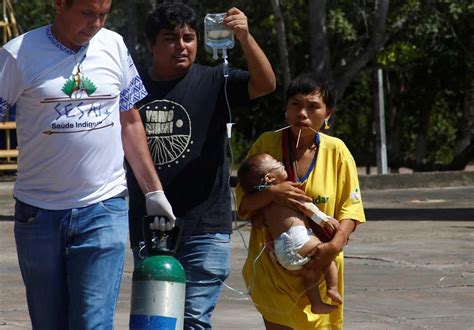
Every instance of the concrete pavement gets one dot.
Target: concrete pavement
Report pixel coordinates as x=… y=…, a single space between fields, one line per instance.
x=400 y=273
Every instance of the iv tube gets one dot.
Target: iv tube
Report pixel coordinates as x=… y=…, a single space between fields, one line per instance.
x=226 y=63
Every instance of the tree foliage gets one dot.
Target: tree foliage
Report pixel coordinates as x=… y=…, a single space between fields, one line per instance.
x=425 y=49
x=429 y=65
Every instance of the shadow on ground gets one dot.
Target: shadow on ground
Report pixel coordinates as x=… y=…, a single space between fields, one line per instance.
x=432 y=214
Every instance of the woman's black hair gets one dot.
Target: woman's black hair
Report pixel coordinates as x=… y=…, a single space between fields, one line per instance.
x=308 y=83
x=169 y=15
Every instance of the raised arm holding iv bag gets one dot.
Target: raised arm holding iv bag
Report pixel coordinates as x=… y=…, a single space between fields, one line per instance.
x=217 y=36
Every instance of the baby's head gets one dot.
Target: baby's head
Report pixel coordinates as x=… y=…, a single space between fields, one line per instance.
x=259 y=171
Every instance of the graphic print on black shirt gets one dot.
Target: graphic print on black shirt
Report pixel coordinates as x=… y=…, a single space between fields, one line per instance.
x=168 y=129
x=185 y=123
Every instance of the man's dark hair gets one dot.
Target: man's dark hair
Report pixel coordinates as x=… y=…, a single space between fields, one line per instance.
x=169 y=15
x=308 y=83
x=69 y=3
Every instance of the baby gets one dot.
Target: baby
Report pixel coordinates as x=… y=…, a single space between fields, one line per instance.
x=291 y=235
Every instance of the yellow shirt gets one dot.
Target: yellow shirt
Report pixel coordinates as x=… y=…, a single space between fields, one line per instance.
x=334 y=185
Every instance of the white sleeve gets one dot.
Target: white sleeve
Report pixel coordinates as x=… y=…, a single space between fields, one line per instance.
x=11 y=82
x=132 y=89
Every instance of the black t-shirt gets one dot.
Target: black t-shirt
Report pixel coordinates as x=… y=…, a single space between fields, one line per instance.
x=185 y=122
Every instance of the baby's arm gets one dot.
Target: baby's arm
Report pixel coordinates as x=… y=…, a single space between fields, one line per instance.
x=331 y=225
x=257 y=219
x=320 y=218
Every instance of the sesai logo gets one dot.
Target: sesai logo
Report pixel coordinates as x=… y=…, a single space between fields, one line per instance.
x=321 y=199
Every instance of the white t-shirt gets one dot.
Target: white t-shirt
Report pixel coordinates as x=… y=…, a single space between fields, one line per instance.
x=68 y=125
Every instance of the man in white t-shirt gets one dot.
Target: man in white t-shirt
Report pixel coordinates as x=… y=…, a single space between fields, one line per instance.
x=74 y=86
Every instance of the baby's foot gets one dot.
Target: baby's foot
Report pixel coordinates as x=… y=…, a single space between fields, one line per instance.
x=322 y=308
x=334 y=295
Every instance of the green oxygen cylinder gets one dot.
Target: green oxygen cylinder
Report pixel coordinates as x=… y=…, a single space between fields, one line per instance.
x=158 y=283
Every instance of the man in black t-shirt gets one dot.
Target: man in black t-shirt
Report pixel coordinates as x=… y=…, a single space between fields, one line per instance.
x=185 y=116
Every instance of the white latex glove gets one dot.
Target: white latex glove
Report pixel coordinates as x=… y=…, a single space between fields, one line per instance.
x=157 y=204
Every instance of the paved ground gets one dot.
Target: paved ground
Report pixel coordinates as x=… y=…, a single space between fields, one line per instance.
x=410 y=267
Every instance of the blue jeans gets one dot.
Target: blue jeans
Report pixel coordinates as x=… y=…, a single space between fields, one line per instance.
x=72 y=262
x=206 y=261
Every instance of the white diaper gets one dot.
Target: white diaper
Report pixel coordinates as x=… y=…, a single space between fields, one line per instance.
x=288 y=244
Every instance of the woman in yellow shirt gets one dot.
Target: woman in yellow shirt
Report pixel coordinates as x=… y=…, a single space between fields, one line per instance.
x=322 y=171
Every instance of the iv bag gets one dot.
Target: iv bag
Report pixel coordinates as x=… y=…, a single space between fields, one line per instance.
x=216 y=36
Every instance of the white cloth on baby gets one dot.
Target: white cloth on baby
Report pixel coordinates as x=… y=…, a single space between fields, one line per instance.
x=288 y=244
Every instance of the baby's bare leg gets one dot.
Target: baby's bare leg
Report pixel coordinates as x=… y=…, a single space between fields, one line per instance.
x=311 y=279
x=330 y=273
x=309 y=246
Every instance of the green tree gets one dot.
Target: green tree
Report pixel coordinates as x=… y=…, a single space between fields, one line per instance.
x=424 y=47
x=34 y=13
x=429 y=61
